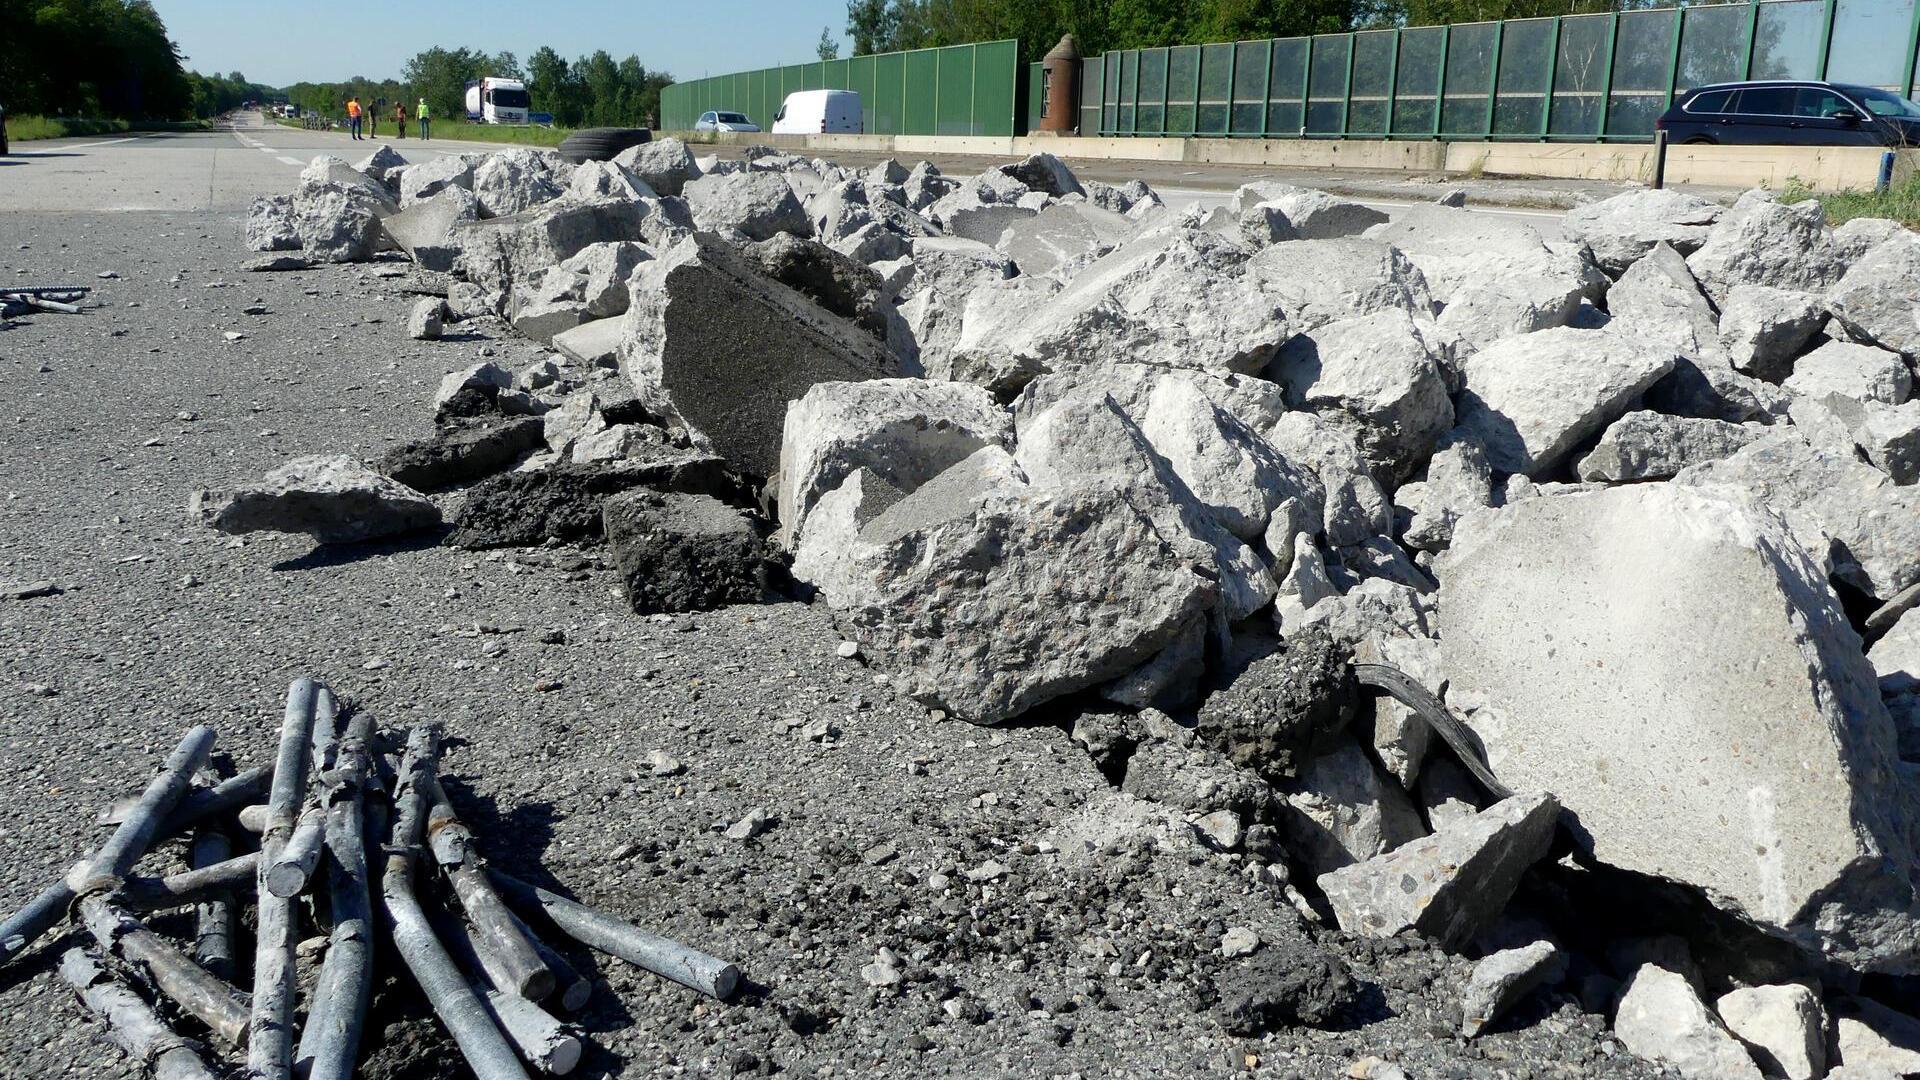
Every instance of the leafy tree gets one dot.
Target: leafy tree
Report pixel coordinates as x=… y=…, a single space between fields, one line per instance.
x=828 y=48
x=872 y=24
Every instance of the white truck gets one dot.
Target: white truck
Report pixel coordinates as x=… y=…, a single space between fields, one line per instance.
x=494 y=100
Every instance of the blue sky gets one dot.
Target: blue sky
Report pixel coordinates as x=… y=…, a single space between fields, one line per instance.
x=278 y=43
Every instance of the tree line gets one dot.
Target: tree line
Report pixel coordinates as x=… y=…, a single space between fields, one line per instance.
x=590 y=91
x=103 y=59
x=1101 y=25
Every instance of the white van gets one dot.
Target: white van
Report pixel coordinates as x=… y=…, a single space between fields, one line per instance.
x=817 y=112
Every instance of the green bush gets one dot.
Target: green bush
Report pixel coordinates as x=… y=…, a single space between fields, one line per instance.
x=25 y=128
x=1901 y=202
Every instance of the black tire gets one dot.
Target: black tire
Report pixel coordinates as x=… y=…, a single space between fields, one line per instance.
x=601 y=144
x=1699 y=140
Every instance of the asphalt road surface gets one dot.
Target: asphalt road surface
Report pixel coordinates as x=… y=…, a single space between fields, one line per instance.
x=223 y=170
x=185 y=373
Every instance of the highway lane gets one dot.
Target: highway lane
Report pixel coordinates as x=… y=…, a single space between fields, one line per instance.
x=223 y=170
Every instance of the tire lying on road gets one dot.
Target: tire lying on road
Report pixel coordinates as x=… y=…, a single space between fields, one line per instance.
x=601 y=144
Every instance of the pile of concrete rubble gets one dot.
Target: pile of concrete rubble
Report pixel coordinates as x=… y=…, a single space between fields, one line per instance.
x=1640 y=504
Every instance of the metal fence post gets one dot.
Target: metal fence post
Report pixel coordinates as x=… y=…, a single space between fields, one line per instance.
x=1440 y=88
x=1233 y=72
x=936 y=90
x=1266 y=88
x=973 y=89
x=1913 y=51
x=1493 y=76
x=1826 y=38
x=1346 y=99
x=1199 y=72
x=1306 y=85
x=1673 y=57
x=1753 y=36
x=1606 y=75
x=1393 y=84
x=1553 y=73
x=1166 y=88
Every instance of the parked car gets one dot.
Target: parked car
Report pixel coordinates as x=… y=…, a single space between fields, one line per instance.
x=1787 y=112
x=724 y=121
x=817 y=112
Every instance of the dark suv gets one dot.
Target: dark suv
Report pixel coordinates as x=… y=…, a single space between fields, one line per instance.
x=1788 y=112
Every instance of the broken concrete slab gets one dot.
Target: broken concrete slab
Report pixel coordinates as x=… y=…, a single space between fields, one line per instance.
x=428 y=178
x=335 y=500
x=1661 y=1018
x=1772 y=757
x=1783 y=1028
x=1182 y=299
x=1888 y=435
x=592 y=345
x=721 y=348
x=1763 y=328
x=1530 y=400
x=1342 y=810
x=1090 y=439
x=1082 y=590
x=1622 y=229
x=665 y=165
x=1450 y=884
x=1062 y=236
x=1645 y=445
x=1873 y=524
x=905 y=431
x=518 y=179
x=424 y=230
x=758 y=205
x=607 y=268
x=337 y=222
x=607 y=180
x=426 y=318
x=1378 y=373
x=1314 y=282
x=496 y=253
x=1658 y=301
x=1768 y=243
x=548 y=302
x=1501 y=979
x=382 y=165
x=1861 y=372
x=1877 y=297
x=270 y=225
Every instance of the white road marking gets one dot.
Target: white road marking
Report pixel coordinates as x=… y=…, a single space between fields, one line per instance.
x=79 y=146
x=292 y=161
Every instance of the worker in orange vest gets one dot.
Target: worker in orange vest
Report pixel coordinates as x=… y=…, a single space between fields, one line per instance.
x=353 y=116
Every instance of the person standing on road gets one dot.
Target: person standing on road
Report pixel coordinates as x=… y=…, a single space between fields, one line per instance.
x=426 y=118
x=353 y=116
x=373 y=121
x=400 y=118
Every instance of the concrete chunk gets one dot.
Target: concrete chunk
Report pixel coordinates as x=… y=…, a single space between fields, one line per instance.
x=1661 y=1018
x=905 y=431
x=1501 y=979
x=716 y=344
x=1450 y=884
x=335 y=500
x=1530 y=400
x=1783 y=1027
x=1662 y=646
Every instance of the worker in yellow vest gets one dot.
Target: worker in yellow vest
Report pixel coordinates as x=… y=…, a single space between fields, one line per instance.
x=426 y=117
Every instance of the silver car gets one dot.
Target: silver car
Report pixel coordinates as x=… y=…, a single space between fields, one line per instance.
x=724 y=121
